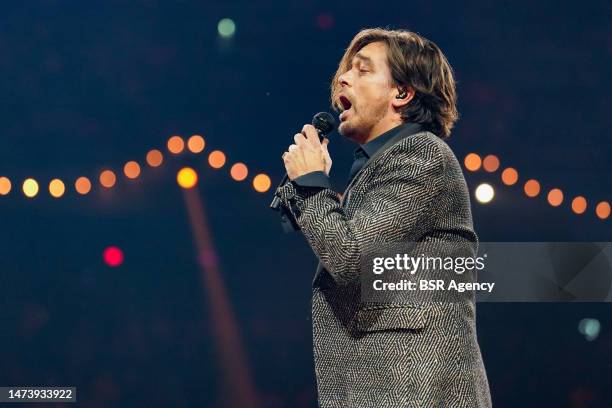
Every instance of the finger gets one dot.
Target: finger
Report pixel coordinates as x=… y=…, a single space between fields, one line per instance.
x=292 y=147
x=325 y=149
x=311 y=134
x=299 y=139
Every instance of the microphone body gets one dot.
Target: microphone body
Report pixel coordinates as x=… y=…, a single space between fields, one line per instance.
x=325 y=124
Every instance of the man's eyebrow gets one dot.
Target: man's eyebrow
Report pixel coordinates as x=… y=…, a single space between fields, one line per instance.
x=363 y=58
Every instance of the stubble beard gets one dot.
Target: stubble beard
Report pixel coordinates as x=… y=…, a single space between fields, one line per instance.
x=358 y=128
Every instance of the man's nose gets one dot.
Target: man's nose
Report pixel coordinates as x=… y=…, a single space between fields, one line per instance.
x=343 y=79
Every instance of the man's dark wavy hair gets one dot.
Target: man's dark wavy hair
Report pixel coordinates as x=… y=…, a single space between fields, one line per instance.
x=414 y=62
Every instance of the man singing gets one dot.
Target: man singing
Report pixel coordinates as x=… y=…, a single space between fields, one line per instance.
x=397 y=95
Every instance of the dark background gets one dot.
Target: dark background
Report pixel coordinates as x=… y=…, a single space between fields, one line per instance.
x=90 y=85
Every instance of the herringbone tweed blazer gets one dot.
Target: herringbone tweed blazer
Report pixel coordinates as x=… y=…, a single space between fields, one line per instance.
x=388 y=355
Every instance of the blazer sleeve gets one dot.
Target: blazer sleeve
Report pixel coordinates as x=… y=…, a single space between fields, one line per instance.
x=396 y=205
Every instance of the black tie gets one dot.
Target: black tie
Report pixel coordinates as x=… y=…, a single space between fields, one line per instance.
x=360 y=159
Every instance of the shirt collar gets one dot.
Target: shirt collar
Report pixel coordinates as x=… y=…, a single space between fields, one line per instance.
x=370 y=148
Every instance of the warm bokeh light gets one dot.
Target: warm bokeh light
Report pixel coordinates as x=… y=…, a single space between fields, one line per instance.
x=82 y=185
x=509 y=176
x=155 y=158
x=261 y=183
x=490 y=163
x=472 y=162
x=113 y=256
x=57 y=188
x=196 y=144
x=579 y=205
x=555 y=197
x=239 y=171
x=176 y=144
x=216 y=159
x=108 y=178
x=5 y=185
x=484 y=193
x=532 y=188
x=603 y=210
x=131 y=169
x=187 y=177
x=30 y=187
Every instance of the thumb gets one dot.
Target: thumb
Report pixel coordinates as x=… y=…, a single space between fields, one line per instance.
x=325 y=143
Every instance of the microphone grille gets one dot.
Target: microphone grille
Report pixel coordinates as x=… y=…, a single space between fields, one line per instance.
x=324 y=122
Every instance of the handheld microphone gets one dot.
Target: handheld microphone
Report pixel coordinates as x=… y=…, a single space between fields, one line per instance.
x=325 y=123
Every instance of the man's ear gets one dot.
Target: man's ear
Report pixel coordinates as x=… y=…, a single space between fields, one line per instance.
x=403 y=97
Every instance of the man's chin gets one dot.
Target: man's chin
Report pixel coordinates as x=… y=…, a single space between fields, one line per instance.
x=346 y=130
x=350 y=131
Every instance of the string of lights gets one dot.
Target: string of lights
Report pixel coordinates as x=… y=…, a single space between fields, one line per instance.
x=532 y=188
x=187 y=177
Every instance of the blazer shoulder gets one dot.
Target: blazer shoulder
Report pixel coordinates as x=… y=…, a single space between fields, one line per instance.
x=423 y=145
x=427 y=144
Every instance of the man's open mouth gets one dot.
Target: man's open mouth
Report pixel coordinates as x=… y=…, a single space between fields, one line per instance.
x=345 y=103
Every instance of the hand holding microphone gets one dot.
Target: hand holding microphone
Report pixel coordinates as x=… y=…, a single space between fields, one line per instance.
x=309 y=153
